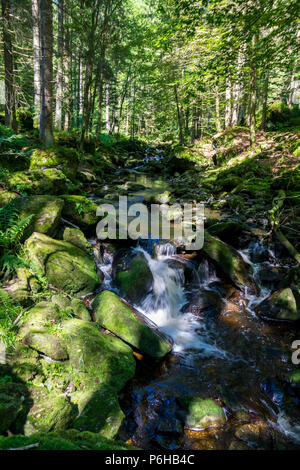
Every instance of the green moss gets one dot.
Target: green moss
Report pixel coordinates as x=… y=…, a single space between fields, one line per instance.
x=77 y=238
x=65 y=266
x=202 y=413
x=116 y=316
x=230 y=261
x=47 y=181
x=63 y=158
x=46 y=212
x=80 y=310
x=80 y=210
x=135 y=279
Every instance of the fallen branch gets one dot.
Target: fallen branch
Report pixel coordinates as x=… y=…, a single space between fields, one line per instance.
x=60 y=291
x=30 y=446
x=69 y=223
x=290 y=248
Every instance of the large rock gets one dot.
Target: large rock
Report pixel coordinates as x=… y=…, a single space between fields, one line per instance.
x=65 y=159
x=66 y=266
x=202 y=413
x=80 y=210
x=47 y=181
x=230 y=261
x=6 y=197
x=46 y=211
x=47 y=344
x=77 y=238
x=132 y=275
x=50 y=412
x=130 y=325
x=281 y=305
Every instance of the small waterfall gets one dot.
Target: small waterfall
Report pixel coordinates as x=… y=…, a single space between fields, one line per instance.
x=164 y=304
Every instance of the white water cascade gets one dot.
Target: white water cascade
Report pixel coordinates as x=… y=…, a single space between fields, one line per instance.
x=164 y=304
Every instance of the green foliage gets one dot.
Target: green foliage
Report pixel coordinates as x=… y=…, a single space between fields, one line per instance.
x=9 y=311
x=12 y=227
x=24 y=119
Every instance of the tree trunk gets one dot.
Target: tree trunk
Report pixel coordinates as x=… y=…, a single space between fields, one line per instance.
x=180 y=131
x=228 y=109
x=253 y=94
x=107 y=104
x=59 y=76
x=36 y=60
x=265 y=101
x=46 y=70
x=67 y=63
x=10 y=100
x=218 y=118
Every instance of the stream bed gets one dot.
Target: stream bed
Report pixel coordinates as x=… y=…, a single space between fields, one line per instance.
x=222 y=351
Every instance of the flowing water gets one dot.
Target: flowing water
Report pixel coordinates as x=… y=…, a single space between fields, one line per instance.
x=222 y=351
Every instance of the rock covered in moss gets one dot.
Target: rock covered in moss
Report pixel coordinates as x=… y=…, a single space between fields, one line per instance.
x=49 y=181
x=99 y=411
x=281 y=305
x=132 y=275
x=12 y=396
x=63 y=158
x=80 y=310
x=66 y=266
x=77 y=238
x=6 y=197
x=50 y=412
x=46 y=344
x=202 y=413
x=128 y=324
x=230 y=261
x=46 y=211
x=80 y=210
x=99 y=358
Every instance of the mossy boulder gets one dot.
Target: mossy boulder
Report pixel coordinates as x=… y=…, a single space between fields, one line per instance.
x=99 y=411
x=80 y=210
x=65 y=266
x=281 y=305
x=132 y=275
x=63 y=158
x=128 y=324
x=202 y=413
x=97 y=359
x=46 y=211
x=50 y=412
x=49 y=181
x=46 y=344
x=80 y=310
x=6 y=197
x=230 y=261
x=77 y=238
x=12 y=396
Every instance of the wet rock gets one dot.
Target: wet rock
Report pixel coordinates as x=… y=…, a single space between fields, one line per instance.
x=66 y=266
x=236 y=444
x=228 y=231
x=256 y=435
x=80 y=211
x=230 y=261
x=270 y=274
x=132 y=275
x=281 y=305
x=128 y=324
x=170 y=426
x=202 y=413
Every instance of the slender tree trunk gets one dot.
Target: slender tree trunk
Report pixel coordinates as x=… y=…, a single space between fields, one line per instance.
x=10 y=99
x=107 y=105
x=228 y=109
x=67 y=72
x=180 y=131
x=218 y=118
x=265 y=101
x=60 y=73
x=253 y=94
x=36 y=59
x=46 y=70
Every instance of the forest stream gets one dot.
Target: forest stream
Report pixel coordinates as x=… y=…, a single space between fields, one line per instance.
x=222 y=350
